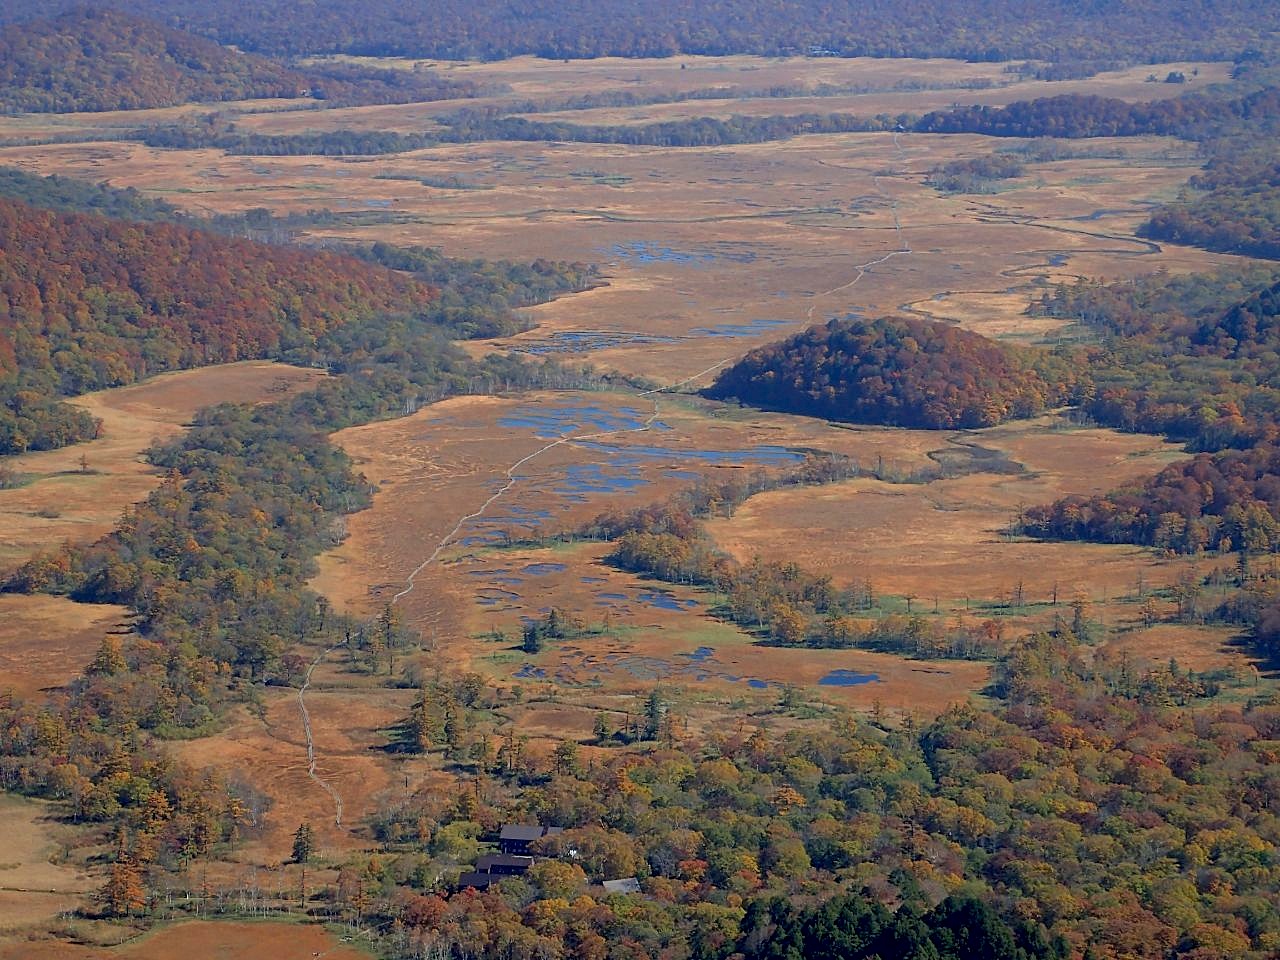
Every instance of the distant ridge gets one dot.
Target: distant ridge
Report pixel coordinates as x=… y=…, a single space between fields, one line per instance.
x=104 y=60
x=1061 y=31
x=95 y=59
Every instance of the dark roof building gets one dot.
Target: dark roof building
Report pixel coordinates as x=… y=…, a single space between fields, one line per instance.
x=515 y=838
x=505 y=864
x=480 y=881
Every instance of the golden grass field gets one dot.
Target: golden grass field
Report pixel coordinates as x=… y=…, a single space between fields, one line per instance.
x=32 y=888
x=202 y=940
x=698 y=248
x=946 y=539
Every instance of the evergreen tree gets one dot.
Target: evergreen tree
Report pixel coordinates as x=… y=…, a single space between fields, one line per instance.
x=303 y=843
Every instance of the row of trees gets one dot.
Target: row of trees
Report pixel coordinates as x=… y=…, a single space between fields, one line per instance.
x=1192 y=116
x=473 y=126
x=785 y=604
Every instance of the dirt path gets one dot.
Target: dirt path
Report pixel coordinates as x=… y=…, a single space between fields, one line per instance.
x=311 y=742
x=904 y=248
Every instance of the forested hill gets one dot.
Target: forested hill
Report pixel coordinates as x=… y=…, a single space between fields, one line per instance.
x=69 y=195
x=1056 y=30
x=1249 y=329
x=905 y=372
x=90 y=60
x=1234 y=207
x=87 y=60
x=87 y=302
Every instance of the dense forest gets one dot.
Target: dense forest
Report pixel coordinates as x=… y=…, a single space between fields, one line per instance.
x=1223 y=502
x=87 y=302
x=1173 y=360
x=1054 y=30
x=90 y=60
x=1233 y=207
x=905 y=372
x=1077 y=115
x=1178 y=357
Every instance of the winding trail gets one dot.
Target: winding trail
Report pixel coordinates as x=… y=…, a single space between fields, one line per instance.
x=311 y=742
x=1037 y=270
x=511 y=478
x=904 y=247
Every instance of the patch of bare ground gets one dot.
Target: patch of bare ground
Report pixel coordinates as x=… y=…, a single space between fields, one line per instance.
x=202 y=940
x=33 y=889
x=47 y=641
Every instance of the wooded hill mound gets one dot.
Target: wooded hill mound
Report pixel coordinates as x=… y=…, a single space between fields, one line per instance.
x=898 y=371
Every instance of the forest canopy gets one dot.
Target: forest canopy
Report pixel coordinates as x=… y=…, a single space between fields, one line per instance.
x=93 y=60
x=1053 y=30
x=900 y=371
x=87 y=302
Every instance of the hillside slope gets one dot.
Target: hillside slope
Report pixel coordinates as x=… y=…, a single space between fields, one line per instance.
x=93 y=60
x=87 y=302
